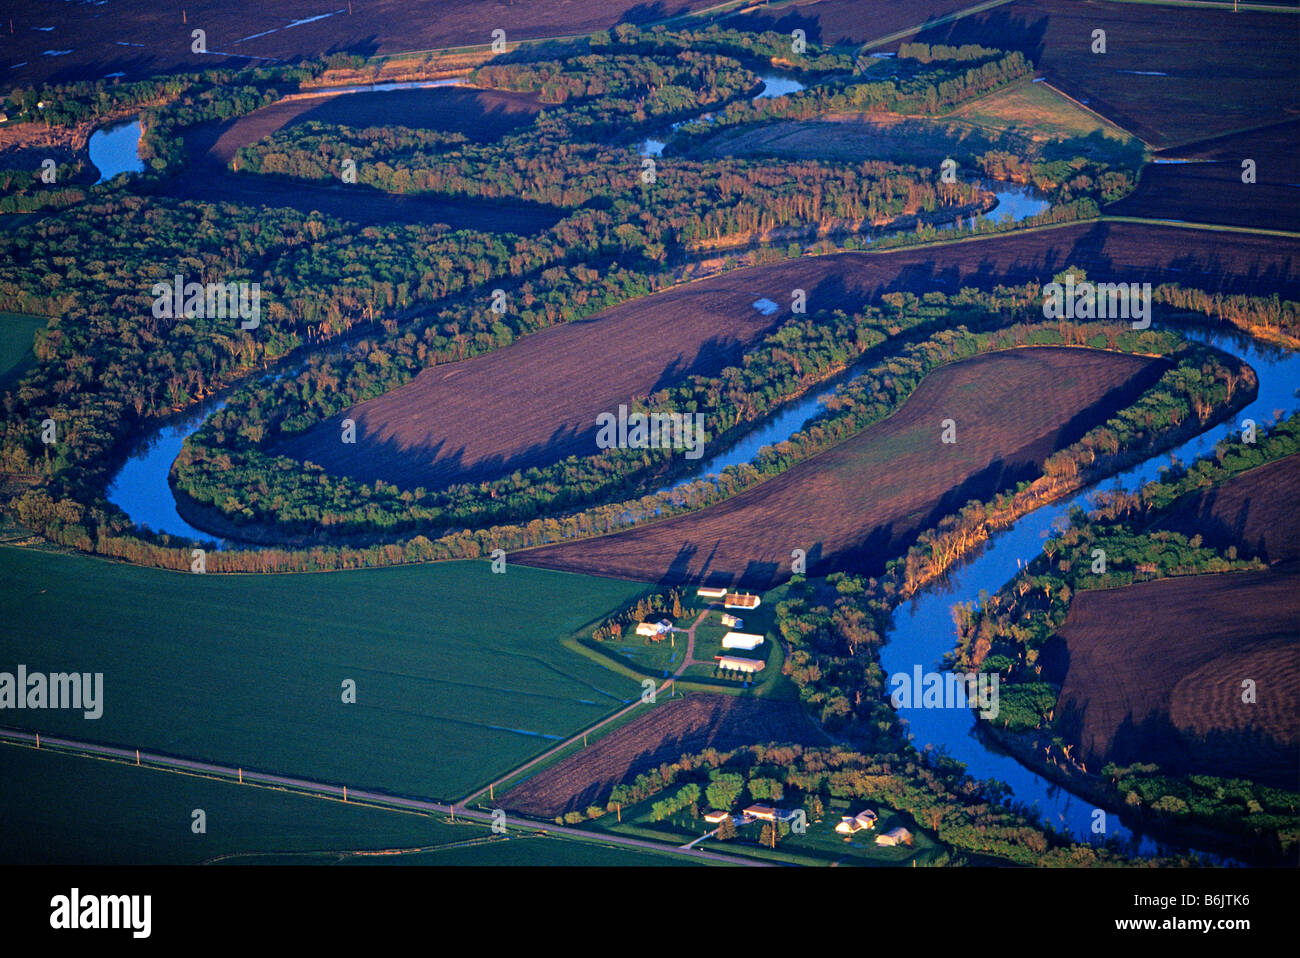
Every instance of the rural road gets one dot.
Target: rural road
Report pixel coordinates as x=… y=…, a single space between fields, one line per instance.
x=169 y=763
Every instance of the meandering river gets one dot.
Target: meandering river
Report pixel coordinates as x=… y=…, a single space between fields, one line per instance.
x=922 y=631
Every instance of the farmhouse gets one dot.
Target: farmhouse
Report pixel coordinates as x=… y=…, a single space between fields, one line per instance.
x=851 y=824
x=731 y=622
x=736 y=600
x=654 y=628
x=705 y=592
x=741 y=640
x=895 y=836
x=763 y=813
x=736 y=664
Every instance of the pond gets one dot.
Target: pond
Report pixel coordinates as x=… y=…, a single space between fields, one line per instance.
x=116 y=149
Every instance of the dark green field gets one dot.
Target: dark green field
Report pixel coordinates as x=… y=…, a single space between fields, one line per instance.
x=16 y=334
x=460 y=674
x=68 y=810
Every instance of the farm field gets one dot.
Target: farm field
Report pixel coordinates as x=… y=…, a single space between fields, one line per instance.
x=536 y=401
x=1254 y=511
x=836 y=22
x=1210 y=190
x=861 y=502
x=482 y=115
x=144 y=40
x=1152 y=78
x=78 y=812
x=459 y=673
x=1038 y=112
x=671 y=729
x=1154 y=674
x=1017 y=119
x=17 y=333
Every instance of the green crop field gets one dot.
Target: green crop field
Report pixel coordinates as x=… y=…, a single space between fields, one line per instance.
x=460 y=674
x=69 y=810
x=16 y=334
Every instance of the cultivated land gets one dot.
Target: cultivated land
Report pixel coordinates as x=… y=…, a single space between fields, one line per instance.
x=70 y=811
x=1210 y=189
x=862 y=502
x=670 y=730
x=1255 y=511
x=144 y=40
x=460 y=673
x=1154 y=673
x=1018 y=119
x=536 y=401
x=1152 y=79
x=482 y=115
x=830 y=22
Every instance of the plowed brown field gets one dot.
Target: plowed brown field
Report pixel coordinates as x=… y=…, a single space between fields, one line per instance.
x=1255 y=511
x=1154 y=673
x=536 y=401
x=664 y=734
x=864 y=501
x=1170 y=74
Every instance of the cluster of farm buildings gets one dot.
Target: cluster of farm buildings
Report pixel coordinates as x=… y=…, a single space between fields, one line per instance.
x=849 y=825
x=743 y=641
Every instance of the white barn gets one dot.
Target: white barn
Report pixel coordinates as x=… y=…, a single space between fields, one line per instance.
x=741 y=640
x=736 y=664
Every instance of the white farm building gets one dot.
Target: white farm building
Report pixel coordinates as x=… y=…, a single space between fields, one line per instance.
x=741 y=640
x=736 y=664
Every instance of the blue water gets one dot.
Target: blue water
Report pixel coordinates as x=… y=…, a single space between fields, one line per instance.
x=116 y=150
x=923 y=631
x=775 y=85
x=140 y=487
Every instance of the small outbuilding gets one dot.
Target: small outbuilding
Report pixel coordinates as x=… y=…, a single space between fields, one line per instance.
x=895 y=836
x=731 y=622
x=716 y=818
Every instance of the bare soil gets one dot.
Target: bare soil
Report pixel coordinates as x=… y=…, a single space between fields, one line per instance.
x=864 y=501
x=1170 y=74
x=1211 y=190
x=1153 y=672
x=536 y=401
x=664 y=734
x=1255 y=511
x=142 y=39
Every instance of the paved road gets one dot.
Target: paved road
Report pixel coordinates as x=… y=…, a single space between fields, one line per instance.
x=171 y=763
